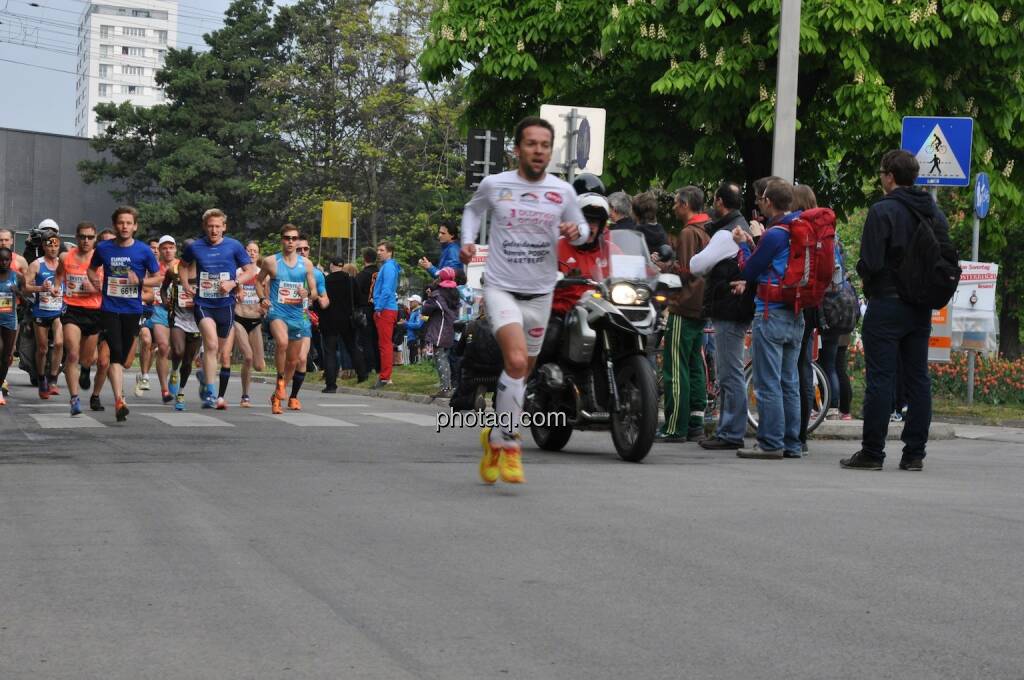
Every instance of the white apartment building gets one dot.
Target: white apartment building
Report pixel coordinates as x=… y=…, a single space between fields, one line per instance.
x=122 y=44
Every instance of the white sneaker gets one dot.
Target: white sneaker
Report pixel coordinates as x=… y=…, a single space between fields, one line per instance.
x=143 y=380
x=138 y=387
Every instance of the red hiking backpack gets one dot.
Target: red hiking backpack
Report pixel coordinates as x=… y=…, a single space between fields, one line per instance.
x=808 y=274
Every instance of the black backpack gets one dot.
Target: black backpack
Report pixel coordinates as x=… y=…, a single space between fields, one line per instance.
x=840 y=308
x=929 y=273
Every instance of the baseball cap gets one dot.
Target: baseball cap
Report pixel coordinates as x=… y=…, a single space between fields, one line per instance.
x=49 y=224
x=417 y=298
x=338 y=261
x=167 y=238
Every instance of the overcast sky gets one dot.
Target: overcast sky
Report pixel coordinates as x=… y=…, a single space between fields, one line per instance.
x=38 y=93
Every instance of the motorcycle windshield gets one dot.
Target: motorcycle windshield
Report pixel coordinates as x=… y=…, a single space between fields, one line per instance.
x=628 y=257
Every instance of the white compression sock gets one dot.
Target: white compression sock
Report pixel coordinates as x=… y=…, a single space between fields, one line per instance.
x=509 y=399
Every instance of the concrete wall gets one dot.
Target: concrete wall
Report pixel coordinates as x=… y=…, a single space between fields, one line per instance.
x=39 y=178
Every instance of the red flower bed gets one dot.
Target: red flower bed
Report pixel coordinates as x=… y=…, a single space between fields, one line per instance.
x=996 y=380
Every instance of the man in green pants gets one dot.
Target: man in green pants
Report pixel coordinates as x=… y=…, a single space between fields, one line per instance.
x=685 y=387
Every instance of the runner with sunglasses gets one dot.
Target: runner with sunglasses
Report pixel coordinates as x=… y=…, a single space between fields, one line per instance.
x=81 y=320
x=291 y=284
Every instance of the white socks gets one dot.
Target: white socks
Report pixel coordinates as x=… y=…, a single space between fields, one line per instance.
x=509 y=399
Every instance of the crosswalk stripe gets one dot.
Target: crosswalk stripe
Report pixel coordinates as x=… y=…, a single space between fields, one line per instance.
x=408 y=418
x=308 y=420
x=188 y=420
x=64 y=421
x=335 y=405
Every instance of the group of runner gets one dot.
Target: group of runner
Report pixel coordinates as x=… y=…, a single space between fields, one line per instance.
x=110 y=294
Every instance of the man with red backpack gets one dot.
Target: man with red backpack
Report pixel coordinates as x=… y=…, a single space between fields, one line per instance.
x=789 y=268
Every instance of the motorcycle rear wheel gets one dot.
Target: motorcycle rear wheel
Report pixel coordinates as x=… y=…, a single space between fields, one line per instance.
x=636 y=422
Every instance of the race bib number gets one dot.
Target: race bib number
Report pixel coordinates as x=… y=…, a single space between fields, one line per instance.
x=209 y=285
x=249 y=295
x=6 y=302
x=118 y=286
x=185 y=301
x=157 y=298
x=288 y=293
x=76 y=285
x=51 y=302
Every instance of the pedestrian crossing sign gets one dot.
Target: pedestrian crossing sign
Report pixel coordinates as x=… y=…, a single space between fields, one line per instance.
x=942 y=147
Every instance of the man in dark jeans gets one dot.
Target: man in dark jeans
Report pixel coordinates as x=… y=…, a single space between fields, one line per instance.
x=895 y=333
x=366 y=336
x=337 y=324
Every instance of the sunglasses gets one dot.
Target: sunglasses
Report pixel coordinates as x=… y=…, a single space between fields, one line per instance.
x=303 y=250
x=289 y=238
x=87 y=237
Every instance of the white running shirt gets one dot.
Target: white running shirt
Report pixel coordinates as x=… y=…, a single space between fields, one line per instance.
x=522 y=254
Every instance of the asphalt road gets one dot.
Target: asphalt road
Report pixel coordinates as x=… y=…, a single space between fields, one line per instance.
x=351 y=541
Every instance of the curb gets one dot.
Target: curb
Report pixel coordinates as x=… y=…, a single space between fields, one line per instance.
x=366 y=392
x=852 y=430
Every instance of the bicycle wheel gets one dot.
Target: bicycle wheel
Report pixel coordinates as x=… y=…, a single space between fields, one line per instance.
x=822 y=395
x=748 y=380
x=818 y=409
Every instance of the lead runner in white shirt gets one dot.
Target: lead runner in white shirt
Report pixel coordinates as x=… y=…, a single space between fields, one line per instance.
x=530 y=209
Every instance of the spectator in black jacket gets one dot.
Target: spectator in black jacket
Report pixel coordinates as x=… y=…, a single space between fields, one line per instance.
x=895 y=331
x=337 y=323
x=645 y=207
x=366 y=333
x=719 y=264
x=621 y=211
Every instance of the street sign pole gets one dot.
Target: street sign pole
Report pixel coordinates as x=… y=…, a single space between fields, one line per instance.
x=786 y=77
x=981 y=204
x=572 y=118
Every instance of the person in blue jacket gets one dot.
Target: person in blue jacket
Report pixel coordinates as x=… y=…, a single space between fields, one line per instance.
x=448 y=236
x=385 y=308
x=777 y=333
x=412 y=327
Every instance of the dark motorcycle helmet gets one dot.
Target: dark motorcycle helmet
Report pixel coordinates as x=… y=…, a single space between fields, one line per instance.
x=588 y=183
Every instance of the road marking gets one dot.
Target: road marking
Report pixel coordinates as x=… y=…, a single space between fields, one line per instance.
x=308 y=420
x=64 y=421
x=409 y=418
x=335 y=405
x=188 y=420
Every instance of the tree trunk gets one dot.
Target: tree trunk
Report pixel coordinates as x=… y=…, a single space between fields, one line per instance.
x=1009 y=326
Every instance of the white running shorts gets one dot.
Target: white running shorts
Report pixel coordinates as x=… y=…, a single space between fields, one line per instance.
x=504 y=308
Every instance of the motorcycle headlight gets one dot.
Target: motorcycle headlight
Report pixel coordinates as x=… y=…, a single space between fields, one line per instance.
x=643 y=294
x=624 y=294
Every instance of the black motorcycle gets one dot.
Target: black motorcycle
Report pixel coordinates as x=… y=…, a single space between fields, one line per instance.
x=594 y=372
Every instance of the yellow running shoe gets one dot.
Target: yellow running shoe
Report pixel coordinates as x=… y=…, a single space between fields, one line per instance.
x=489 y=461
x=511 y=465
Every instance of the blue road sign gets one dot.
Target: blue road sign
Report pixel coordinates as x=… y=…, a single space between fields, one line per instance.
x=981 y=195
x=942 y=147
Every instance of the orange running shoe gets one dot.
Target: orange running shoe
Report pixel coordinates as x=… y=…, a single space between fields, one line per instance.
x=510 y=464
x=294 y=404
x=489 y=461
x=279 y=392
x=275 y=404
x=3 y=401
x=54 y=390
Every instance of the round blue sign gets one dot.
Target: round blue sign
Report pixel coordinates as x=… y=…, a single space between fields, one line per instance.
x=583 y=144
x=981 y=195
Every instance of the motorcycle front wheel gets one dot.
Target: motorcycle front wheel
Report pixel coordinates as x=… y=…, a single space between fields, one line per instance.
x=636 y=422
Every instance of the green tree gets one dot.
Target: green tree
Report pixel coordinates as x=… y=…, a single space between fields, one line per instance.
x=689 y=86
x=356 y=122
x=201 y=148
